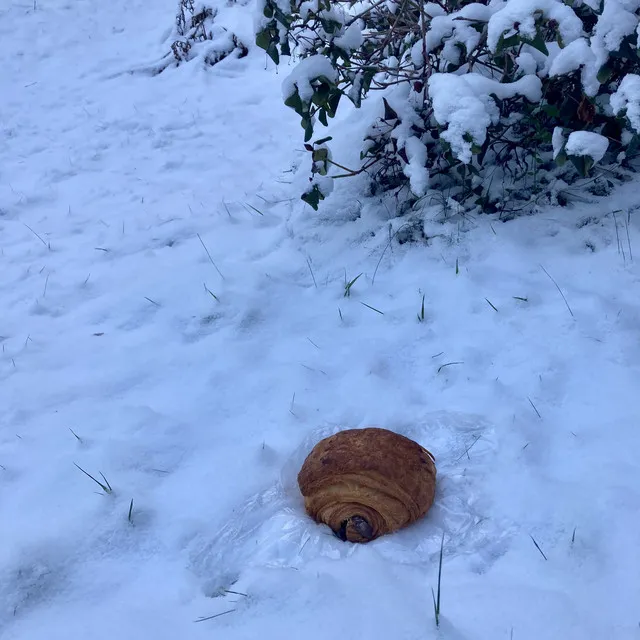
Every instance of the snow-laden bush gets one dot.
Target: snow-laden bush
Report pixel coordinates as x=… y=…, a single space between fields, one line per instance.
x=484 y=99
x=196 y=34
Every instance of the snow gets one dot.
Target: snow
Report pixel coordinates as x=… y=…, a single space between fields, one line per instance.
x=521 y=12
x=557 y=140
x=527 y=63
x=416 y=170
x=454 y=29
x=433 y=9
x=417 y=55
x=578 y=55
x=587 y=143
x=352 y=38
x=309 y=6
x=122 y=196
x=465 y=105
x=614 y=23
x=627 y=98
x=304 y=73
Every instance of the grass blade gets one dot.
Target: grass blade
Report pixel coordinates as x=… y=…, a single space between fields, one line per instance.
x=106 y=488
x=534 y=407
x=560 y=290
x=538 y=547
x=348 y=285
x=421 y=314
x=436 y=598
x=447 y=364
x=372 y=308
x=491 y=305
x=209 y=255
x=217 y=615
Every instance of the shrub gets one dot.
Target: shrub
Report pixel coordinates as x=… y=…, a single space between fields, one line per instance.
x=196 y=34
x=486 y=100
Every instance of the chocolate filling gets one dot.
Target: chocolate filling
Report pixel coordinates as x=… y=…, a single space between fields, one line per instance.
x=362 y=527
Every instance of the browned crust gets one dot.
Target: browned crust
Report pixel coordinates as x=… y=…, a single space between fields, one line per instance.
x=370 y=474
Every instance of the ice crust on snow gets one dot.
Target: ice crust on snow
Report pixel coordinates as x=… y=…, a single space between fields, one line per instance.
x=587 y=143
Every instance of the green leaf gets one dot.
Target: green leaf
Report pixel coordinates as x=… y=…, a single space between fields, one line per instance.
x=330 y=26
x=313 y=197
x=539 y=43
x=321 y=93
x=561 y=158
x=389 y=113
x=507 y=43
x=551 y=110
x=367 y=79
x=320 y=155
x=583 y=164
x=307 y=125
x=263 y=39
x=282 y=17
x=323 y=140
x=294 y=101
x=472 y=168
x=604 y=74
x=272 y=52
x=333 y=101
x=322 y=116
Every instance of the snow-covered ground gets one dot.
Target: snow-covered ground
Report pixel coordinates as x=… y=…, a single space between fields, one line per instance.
x=126 y=200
